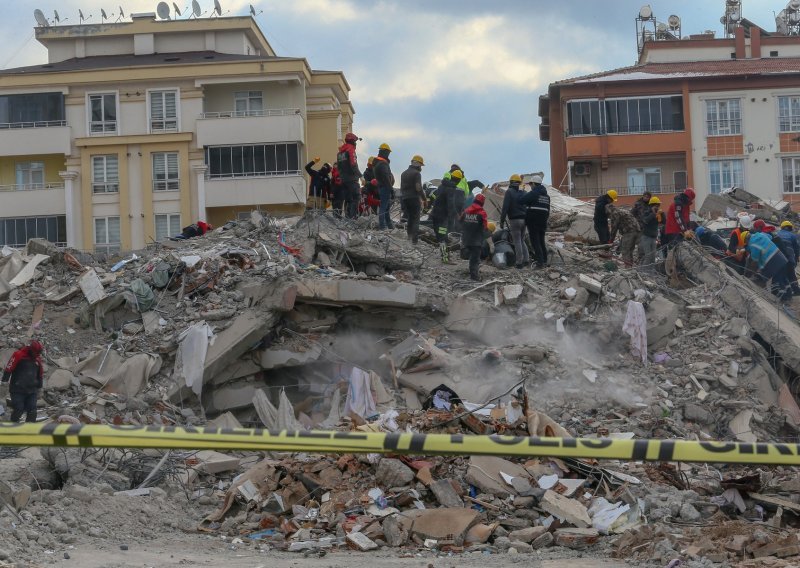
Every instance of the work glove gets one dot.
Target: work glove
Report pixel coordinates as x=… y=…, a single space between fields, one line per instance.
x=688 y=235
x=316 y=159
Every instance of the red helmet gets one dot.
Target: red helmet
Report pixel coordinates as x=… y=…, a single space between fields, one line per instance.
x=689 y=192
x=758 y=225
x=770 y=228
x=36 y=347
x=350 y=138
x=480 y=199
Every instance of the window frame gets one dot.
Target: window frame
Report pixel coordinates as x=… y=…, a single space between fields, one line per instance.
x=30 y=185
x=735 y=183
x=169 y=219
x=108 y=247
x=90 y=122
x=731 y=122
x=789 y=118
x=108 y=185
x=165 y=120
x=248 y=111
x=795 y=180
x=634 y=115
x=51 y=227
x=645 y=171
x=221 y=161
x=166 y=184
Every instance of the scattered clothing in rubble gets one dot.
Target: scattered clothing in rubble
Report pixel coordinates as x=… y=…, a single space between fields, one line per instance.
x=24 y=374
x=635 y=325
x=359 y=395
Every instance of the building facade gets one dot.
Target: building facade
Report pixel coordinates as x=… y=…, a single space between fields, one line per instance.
x=133 y=130
x=702 y=112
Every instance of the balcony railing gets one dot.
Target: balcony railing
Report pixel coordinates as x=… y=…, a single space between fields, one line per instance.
x=251 y=113
x=36 y=124
x=623 y=190
x=31 y=186
x=244 y=175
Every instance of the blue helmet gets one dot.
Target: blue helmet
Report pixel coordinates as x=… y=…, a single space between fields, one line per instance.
x=700 y=231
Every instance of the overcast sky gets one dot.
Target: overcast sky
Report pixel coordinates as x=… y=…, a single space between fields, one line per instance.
x=453 y=80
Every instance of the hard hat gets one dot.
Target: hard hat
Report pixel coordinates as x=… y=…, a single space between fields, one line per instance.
x=480 y=199
x=769 y=229
x=417 y=158
x=36 y=347
x=457 y=174
x=384 y=146
x=654 y=201
x=746 y=222
x=787 y=224
x=492 y=227
x=516 y=177
x=371 y=159
x=700 y=231
x=537 y=179
x=612 y=193
x=350 y=138
x=689 y=192
x=758 y=225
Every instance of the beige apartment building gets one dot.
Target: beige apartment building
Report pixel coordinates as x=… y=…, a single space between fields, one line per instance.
x=132 y=130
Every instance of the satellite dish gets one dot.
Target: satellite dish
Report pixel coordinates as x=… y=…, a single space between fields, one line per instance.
x=177 y=10
x=252 y=11
x=163 y=10
x=82 y=18
x=646 y=12
x=674 y=21
x=735 y=17
x=196 y=10
x=794 y=5
x=40 y=19
x=217 y=8
x=103 y=15
x=56 y=16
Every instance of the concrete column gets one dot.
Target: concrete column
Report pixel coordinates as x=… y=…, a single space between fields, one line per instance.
x=69 y=178
x=200 y=172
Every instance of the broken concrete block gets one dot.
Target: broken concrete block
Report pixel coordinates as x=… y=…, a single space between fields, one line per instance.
x=233 y=342
x=393 y=532
x=277 y=357
x=226 y=421
x=357 y=292
x=576 y=538
x=361 y=541
x=511 y=293
x=231 y=396
x=697 y=413
x=473 y=317
x=661 y=316
x=541 y=541
x=565 y=509
x=91 y=286
x=60 y=380
x=590 y=284
x=446 y=494
x=479 y=534
x=393 y=473
x=740 y=426
x=441 y=524
x=213 y=462
x=528 y=534
x=484 y=473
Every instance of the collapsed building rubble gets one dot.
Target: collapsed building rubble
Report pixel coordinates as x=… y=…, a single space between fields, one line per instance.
x=318 y=322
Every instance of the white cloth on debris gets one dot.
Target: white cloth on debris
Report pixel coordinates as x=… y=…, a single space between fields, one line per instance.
x=191 y=356
x=635 y=325
x=359 y=394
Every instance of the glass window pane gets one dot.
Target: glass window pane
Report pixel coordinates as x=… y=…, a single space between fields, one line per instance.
x=272 y=165
x=100 y=235
x=174 y=225
x=293 y=155
x=248 y=159
x=113 y=230
x=226 y=167
x=633 y=115
x=109 y=107
x=280 y=151
x=644 y=115
x=258 y=156
x=62 y=228
x=237 y=160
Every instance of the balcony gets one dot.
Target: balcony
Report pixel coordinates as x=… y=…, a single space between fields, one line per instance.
x=622 y=191
x=31 y=186
x=250 y=127
x=34 y=138
x=32 y=200
x=267 y=190
x=583 y=147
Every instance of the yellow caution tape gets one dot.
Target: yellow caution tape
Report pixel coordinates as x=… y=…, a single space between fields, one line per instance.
x=168 y=437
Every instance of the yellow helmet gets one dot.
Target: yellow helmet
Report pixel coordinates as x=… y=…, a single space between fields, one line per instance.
x=371 y=159
x=516 y=177
x=491 y=225
x=457 y=174
x=417 y=158
x=787 y=224
x=384 y=146
x=654 y=201
x=612 y=193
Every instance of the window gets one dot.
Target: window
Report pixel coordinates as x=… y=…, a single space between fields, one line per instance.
x=773 y=54
x=16 y=232
x=163 y=111
x=253 y=160
x=725 y=174
x=626 y=116
x=248 y=103
x=106 y=235
x=644 y=179
x=166 y=176
x=584 y=117
x=167 y=225
x=791 y=175
x=32 y=110
x=723 y=117
x=30 y=175
x=103 y=113
x=789 y=114
x=105 y=174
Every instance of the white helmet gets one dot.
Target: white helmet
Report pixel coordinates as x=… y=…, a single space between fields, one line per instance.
x=746 y=222
x=537 y=179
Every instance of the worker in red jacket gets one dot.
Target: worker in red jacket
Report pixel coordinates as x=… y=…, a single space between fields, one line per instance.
x=475 y=223
x=25 y=375
x=678 y=218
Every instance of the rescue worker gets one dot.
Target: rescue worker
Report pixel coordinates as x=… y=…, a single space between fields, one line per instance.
x=385 y=180
x=601 y=212
x=678 y=218
x=413 y=197
x=319 y=187
x=24 y=374
x=338 y=192
x=648 y=221
x=514 y=212
x=194 y=230
x=441 y=209
x=770 y=261
x=736 y=252
x=458 y=199
x=787 y=235
x=537 y=214
x=641 y=206
x=347 y=162
x=371 y=198
x=711 y=240
x=624 y=223
x=476 y=225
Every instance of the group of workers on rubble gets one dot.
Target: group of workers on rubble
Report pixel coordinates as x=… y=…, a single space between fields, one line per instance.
x=755 y=248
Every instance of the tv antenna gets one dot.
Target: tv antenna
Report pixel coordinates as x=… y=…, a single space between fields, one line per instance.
x=163 y=10
x=733 y=15
x=253 y=11
x=646 y=27
x=103 y=15
x=177 y=10
x=217 y=9
x=57 y=18
x=40 y=19
x=121 y=14
x=196 y=10
x=81 y=16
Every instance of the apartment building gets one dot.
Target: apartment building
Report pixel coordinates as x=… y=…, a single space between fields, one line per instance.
x=133 y=130
x=705 y=112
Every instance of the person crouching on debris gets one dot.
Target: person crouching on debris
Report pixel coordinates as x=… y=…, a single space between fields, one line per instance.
x=194 y=230
x=601 y=211
x=475 y=223
x=771 y=262
x=736 y=257
x=441 y=209
x=624 y=223
x=24 y=374
x=648 y=221
x=678 y=218
x=712 y=241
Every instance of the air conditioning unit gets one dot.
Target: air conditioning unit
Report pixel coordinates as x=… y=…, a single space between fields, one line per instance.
x=582 y=169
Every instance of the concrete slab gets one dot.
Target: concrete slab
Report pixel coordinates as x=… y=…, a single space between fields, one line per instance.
x=444 y=524
x=484 y=473
x=277 y=357
x=661 y=317
x=245 y=331
x=228 y=397
x=357 y=292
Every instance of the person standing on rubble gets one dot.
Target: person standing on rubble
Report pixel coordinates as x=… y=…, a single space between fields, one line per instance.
x=624 y=223
x=514 y=211
x=601 y=212
x=319 y=188
x=371 y=198
x=648 y=221
x=385 y=181
x=537 y=214
x=347 y=162
x=338 y=191
x=678 y=218
x=413 y=196
x=457 y=198
x=792 y=246
x=770 y=261
x=476 y=224
x=641 y=206
x=441 y=209
x=24 y=374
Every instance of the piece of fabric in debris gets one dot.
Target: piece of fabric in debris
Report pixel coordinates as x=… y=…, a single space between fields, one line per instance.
x=635 y=325
x=359 y=394
x=191 y=356
x=144 y=295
